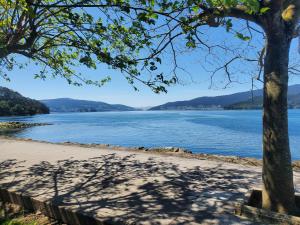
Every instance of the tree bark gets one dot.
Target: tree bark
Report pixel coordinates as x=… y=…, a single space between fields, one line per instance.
x=278 y=190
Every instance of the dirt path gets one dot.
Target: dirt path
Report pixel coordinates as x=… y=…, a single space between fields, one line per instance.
x=124 y=186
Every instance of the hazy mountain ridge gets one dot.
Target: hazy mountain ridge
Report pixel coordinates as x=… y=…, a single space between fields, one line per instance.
x=241 y=100
x=14 y=104
x=257 y=103
x=75 y=105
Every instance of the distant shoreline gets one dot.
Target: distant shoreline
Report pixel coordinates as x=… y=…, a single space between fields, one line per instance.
x=166 y=110
x=7 y=125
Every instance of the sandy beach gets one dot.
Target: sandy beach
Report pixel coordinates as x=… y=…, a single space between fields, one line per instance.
x=127 y=186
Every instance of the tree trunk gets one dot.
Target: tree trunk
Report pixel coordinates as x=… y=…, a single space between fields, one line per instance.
x=278 y=190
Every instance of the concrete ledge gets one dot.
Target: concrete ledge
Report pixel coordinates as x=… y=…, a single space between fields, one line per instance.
x=52 y=210
x=251 y=208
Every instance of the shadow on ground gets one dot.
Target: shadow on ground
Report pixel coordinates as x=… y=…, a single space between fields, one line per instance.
x=150 y=192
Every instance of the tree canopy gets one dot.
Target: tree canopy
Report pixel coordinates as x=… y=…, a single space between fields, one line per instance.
x=131 y=36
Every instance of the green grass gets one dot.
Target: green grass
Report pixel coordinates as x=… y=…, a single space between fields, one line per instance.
x=13 y=215
x=17 y=222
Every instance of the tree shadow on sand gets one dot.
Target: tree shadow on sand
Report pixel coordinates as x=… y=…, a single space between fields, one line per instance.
x=112 y=187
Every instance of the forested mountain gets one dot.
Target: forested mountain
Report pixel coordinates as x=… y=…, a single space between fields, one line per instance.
x=14 y=104
x=257 y=103
x=241 y=100
x=74 y=105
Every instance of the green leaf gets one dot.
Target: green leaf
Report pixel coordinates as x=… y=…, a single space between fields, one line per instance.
x=264 y=10
x=242 y=37
x=228 y=25
x=152 y=3
x=195 y=9
x=153 y=16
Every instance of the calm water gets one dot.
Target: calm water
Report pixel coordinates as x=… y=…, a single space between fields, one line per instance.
x=217 y=132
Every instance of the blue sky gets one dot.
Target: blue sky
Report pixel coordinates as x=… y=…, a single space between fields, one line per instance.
x=118 y=90
x=193 y=84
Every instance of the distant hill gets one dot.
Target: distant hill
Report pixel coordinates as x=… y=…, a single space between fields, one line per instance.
x=241 y=100
x=14 y=104
x=294 y=101
x=257 y=103
x=74 y=105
